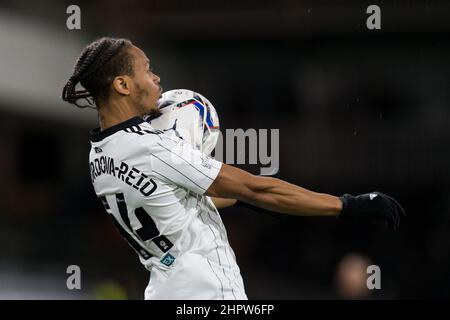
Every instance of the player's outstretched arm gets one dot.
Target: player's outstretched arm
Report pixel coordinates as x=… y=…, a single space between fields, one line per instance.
x=272 y=194
x=283 y=197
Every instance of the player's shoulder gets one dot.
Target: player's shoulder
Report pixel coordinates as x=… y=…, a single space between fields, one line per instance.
x=135 y=138
x=146 y=138
x=134 y=133
x=130 y=128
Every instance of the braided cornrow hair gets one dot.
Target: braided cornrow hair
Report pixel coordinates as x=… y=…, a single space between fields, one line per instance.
x=98 y=65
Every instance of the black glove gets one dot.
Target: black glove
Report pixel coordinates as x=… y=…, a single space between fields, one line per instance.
x=372 y=206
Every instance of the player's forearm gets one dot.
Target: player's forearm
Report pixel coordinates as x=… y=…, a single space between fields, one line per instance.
x=283 y=197
x=272 y=194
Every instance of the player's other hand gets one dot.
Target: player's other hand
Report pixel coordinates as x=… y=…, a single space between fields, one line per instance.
x=372 y=206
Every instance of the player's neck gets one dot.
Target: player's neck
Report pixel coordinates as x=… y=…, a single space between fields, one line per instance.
x=114 y=113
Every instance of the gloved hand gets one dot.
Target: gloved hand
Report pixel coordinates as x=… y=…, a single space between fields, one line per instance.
x=372 y=206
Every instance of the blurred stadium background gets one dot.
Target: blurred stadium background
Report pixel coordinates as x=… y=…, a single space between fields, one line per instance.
x=357 y=110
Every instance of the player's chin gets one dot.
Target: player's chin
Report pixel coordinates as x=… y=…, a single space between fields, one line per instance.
x=152 y=106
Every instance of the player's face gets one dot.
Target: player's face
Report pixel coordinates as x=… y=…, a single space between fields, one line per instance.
x=146 y=88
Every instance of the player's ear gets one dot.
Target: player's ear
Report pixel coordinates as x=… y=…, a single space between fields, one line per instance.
x=121 y=85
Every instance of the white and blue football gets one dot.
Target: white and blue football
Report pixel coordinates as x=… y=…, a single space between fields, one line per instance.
x=189 y=116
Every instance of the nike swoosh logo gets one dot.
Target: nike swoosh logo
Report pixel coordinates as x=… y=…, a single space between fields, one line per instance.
x=372 y=195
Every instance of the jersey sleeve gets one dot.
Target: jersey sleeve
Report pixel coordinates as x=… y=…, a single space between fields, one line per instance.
x=178 y=162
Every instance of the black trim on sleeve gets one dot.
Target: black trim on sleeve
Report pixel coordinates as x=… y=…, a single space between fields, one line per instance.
x=98 y=135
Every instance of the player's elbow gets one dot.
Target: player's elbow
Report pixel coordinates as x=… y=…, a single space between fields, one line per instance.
x=233 y=183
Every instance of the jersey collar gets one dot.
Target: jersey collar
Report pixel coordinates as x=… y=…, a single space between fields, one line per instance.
x=98 y=135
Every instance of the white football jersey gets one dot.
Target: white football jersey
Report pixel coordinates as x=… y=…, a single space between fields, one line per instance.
x=153 y=184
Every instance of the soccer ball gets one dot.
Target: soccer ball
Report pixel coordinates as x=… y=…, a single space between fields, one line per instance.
x=189 y=116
